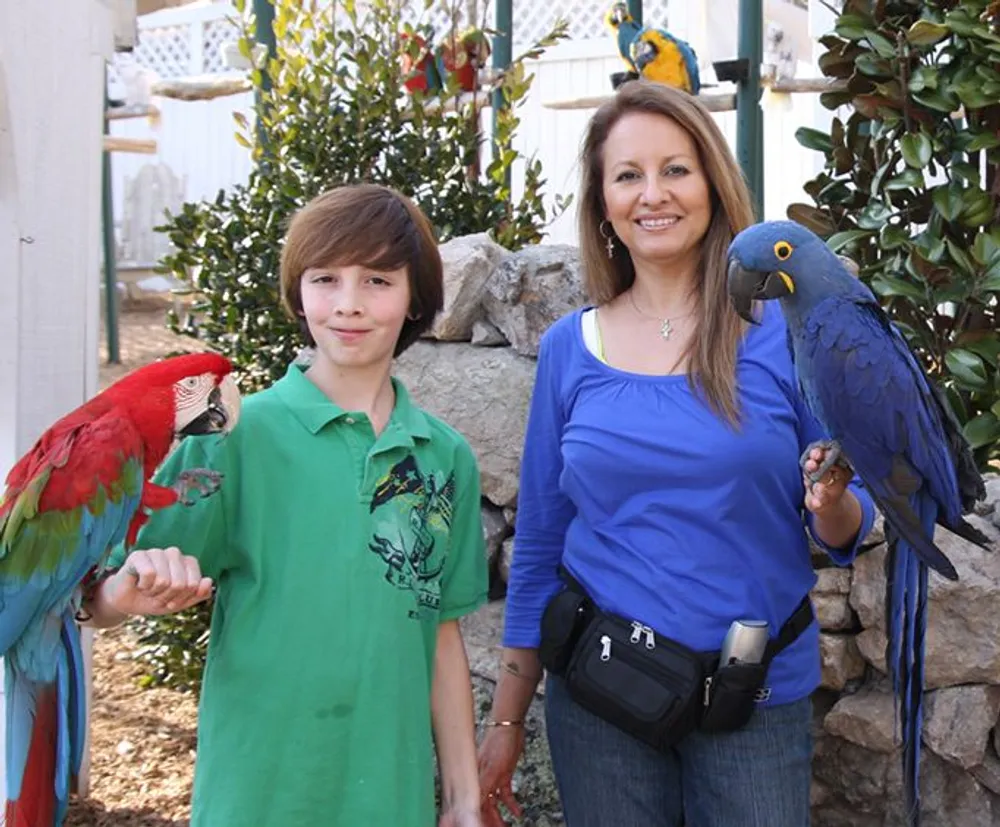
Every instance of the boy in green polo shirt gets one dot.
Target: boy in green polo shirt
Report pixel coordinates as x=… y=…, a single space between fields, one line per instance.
x=345 y=543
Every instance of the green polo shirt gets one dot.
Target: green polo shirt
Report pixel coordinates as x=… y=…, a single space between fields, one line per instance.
x=336 y=556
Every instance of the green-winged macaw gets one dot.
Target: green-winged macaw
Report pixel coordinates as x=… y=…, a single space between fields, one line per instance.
x=82 y=489
x=886 y=419
x=659 y=56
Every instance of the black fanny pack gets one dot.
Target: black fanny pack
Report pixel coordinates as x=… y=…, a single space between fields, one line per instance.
x=654 y=688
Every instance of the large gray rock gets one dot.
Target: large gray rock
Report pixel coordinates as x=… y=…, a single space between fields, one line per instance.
x=483 y=393
x=840 y=661
x=958 y=720
x=863 y=788
x=829 y=596
x=866 y=719
x=963 y=629
x=468 y=262
x=530 y=290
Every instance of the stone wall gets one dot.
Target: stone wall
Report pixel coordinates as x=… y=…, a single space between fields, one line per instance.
x=476 y=371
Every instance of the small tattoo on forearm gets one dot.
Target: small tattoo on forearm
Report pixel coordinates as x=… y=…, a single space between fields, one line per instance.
x=515 y=670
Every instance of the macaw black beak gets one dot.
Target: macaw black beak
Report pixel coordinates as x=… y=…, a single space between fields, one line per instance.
x=222 y=412
x=747 y=286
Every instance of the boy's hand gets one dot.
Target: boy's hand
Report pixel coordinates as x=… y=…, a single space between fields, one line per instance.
x=156 y=582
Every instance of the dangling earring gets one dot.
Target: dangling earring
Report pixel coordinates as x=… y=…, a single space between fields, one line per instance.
x=608 y=237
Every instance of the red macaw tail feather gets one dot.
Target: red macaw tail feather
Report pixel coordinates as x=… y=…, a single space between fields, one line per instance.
x=35 y=805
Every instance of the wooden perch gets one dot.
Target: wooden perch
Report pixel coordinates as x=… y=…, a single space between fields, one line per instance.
x=133 y=110
x=791 y=85
x=717 y=101
x=201 y=87
x=142 y=146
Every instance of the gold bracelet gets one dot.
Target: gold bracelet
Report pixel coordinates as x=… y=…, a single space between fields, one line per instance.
x=505 y=723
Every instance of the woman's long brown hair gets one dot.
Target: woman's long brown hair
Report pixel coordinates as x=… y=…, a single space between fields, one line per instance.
x=711 y=352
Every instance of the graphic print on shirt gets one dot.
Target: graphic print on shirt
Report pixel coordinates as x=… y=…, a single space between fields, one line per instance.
x=412 y=521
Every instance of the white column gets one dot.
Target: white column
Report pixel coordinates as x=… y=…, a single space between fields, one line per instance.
x=51 y=99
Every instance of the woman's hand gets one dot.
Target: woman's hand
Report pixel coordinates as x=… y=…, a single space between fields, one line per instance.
x=499 y=753
x=825 y=496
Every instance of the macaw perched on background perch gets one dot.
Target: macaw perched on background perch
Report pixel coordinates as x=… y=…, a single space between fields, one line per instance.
x=82 y=489
x=463 y=55
x=663 y=58
x=418 y=65
x=620 y=21
x=427 y=69
x=886 y=420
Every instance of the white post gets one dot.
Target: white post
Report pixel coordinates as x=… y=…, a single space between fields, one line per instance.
x=50 y=215
x=196 y=47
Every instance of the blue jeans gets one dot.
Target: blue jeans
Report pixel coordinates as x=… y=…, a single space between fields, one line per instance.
x=758 y=776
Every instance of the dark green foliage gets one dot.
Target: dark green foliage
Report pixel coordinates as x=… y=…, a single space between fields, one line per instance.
x=335 y=112
x=173 y=647
x=910 y=188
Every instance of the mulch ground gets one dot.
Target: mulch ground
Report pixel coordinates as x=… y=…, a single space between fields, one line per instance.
x=142 y=740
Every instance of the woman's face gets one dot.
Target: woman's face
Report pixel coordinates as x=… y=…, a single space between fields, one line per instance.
x=656 y=195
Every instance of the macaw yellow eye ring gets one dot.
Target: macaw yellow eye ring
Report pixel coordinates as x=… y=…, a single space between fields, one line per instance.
x=783 y=250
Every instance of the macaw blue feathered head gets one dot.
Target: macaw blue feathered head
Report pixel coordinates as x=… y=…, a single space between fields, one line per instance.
x=781 y=260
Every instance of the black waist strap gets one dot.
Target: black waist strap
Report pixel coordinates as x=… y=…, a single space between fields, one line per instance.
x=797 y=623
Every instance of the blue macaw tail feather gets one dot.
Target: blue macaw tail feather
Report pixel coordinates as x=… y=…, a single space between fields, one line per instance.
x=906 y=628
x=72 y=711
x=46 y=727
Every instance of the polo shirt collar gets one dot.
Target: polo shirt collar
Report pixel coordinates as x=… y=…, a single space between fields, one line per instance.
x=314 y=409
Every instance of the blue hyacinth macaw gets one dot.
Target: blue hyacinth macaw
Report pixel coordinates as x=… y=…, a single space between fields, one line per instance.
x=887 y=421
x=663 y=58
x=620 y=21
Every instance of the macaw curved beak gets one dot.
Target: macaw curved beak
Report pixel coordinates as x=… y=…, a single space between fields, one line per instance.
x=747 y=286
x=222 y=413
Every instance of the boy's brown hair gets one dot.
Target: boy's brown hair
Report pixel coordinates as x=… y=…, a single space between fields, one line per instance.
x=373 y=226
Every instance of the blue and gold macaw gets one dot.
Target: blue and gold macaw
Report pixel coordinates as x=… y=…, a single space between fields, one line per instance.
x=620 y=21
x=659 y=56
x=886 y=420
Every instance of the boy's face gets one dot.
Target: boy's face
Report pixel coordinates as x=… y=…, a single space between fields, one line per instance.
x=355 y=314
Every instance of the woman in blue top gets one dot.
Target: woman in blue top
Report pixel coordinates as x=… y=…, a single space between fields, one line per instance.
x=662 y=469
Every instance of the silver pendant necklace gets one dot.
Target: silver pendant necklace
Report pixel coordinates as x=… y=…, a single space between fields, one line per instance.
x=666 y=326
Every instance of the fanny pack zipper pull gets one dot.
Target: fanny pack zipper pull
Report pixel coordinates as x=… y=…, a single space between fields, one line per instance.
x=605 y=648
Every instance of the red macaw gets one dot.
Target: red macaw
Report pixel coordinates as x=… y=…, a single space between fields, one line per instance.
x=81 y=490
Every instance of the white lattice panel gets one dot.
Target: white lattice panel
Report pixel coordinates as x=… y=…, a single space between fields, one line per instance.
x=216 y=34
x=533 y=19
x=165 y=50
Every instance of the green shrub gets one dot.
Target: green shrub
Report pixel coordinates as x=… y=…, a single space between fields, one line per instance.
x=333 y=111
x=910 y=184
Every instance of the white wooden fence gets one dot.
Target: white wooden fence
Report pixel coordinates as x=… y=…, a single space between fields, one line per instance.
x=197 y=154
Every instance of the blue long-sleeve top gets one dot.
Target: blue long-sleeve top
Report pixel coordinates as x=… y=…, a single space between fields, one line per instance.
x=660 y=509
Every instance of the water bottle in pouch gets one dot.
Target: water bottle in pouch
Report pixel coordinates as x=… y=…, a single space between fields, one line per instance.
x=745 y=642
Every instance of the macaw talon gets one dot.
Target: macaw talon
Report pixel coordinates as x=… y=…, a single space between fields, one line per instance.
x=201 y=481
x=834 y=457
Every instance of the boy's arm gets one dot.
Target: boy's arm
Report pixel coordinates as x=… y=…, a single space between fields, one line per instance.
x=179 y=550
x=454 y=727
x=151 y=582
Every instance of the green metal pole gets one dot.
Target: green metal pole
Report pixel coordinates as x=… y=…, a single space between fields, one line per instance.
x=635 y=9
x=502 y=54
x=749 y=116
x=263 y=11
x=108 y=233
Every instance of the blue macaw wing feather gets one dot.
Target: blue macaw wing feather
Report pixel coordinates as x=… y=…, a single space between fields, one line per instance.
x=881 y=411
